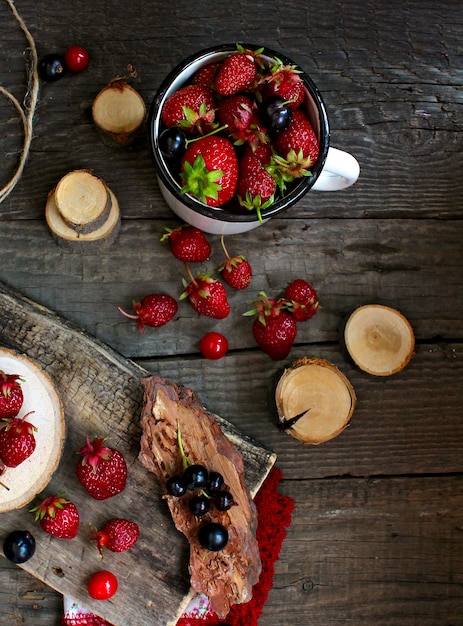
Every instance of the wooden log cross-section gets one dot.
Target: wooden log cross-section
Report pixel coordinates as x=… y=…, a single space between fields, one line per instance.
x=81 y=211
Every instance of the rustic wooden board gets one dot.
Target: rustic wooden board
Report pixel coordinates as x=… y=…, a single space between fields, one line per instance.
x=362 y=551
x=102 y=395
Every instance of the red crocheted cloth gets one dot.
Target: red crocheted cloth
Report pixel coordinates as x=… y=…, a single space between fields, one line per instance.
x=274 y=512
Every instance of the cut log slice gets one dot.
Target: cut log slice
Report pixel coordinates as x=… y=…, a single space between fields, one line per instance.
x=68 y=239
x=226 y=576
x=83 y=201
x=379 y=339
x=119 y=111
x=315 y=400
x=19 y=485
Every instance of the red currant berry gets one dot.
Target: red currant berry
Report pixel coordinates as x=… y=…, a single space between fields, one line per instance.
x=213 y=346
x=76 y=58
x=102 y=585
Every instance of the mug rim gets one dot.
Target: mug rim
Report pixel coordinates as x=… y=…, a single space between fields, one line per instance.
x=217 y=213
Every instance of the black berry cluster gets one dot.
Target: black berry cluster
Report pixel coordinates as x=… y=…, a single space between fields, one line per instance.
x=205 y=491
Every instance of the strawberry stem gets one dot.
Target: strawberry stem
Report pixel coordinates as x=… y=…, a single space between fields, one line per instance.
x=224 y=248
x=132 y=317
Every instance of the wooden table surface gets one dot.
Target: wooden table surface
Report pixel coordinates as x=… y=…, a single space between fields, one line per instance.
x=377 y=531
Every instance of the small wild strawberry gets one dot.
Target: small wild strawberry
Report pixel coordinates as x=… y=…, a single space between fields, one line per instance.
x=188 y=244
x=274 y=329
x=155 y=310
x=236 y=271
x=302 y=300
x=17 y=440
x=207 y=296
x=58 y=517
x=102 y=470
x=117 y=535
x=11 y=395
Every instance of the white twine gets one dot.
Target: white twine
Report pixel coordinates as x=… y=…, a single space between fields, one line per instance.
x=26 y=113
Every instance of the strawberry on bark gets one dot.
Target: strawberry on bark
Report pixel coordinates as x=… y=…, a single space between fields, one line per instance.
x=207 y=296
x=188 y=244
x=102 y=470
x=236 y=271
x=191 y=107
x=210 y=170
x=155 y=309
x=17 y=440
x=274 y=329
x=11 y=395
x=58 y=517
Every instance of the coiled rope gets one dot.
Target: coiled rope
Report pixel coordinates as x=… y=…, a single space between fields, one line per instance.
x=26 y=111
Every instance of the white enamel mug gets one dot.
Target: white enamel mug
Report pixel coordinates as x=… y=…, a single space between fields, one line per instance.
x=334 y=169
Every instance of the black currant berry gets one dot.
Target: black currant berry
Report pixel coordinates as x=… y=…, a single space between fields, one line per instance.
x=19 y=546
x=176 y=486
x=199 y=505
x=276 y=114
x=223 y=500
x=52 y=67
x=213 y=536
x=195 y=477
x=172 y=143
x=214 y=482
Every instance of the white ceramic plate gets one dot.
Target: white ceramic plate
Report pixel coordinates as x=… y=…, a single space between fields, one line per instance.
x=21 y=484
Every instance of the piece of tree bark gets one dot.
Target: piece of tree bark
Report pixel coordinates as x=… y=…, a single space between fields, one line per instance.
x=226 y=576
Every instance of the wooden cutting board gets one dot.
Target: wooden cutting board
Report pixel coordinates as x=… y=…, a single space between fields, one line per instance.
x=102 y=395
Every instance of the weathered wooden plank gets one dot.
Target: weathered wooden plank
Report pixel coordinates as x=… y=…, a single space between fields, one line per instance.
x=402 y=566
x=102 y=395
x=365 y=552
x=374 y=72
x=409 y=423
x=399 y=263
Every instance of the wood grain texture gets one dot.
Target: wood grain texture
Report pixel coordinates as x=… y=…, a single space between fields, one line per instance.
x=376 y=532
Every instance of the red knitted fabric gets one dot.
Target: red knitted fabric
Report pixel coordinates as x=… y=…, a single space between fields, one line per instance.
x=274 y=513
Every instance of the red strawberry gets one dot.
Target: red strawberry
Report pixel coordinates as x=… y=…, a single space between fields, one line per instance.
x=17 y=441
x=117 y=535
x=274 y=329
x=285 y=81
x=210 y=170
x=192 y=108
x=102 y=470
x=188 y=244
x=256 y=187
x=205 y=76
x=58 y=517
x=207 y=296
x=156 y=309
x=303 y=300
x=11 y=395
x=236 y=271
x=297 y=146
x=236 y=74
x=239 y=114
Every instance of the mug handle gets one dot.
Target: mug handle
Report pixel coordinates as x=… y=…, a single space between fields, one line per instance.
x=341 y=170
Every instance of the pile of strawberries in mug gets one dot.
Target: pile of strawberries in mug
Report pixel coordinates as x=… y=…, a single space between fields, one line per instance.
x=236 y=136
